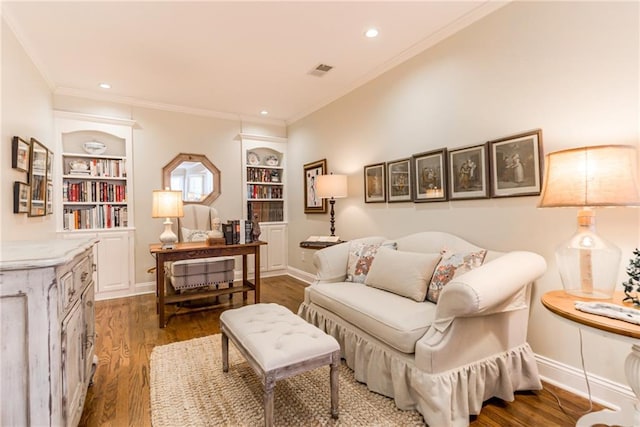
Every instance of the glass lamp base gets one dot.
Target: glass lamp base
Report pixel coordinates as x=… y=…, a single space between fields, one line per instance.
x=588 y=263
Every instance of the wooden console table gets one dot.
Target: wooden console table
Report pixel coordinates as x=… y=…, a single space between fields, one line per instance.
x=562 y=304
x=184 y=251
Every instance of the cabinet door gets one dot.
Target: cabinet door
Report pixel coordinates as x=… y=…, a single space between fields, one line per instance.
x=277 y=247
x=72 y=365
x=113 y=262
x=89 y=330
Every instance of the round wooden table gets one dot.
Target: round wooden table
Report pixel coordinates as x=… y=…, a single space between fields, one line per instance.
x=562 y=304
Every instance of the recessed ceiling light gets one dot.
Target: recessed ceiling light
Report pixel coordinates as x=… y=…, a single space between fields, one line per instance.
x=371 y=33
x=105 y=85
x=264 y=112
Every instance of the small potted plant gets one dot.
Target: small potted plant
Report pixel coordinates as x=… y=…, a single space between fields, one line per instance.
x=632 y=286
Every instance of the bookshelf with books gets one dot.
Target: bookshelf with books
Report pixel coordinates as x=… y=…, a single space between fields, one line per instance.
x=94 y=194
x=265 y=195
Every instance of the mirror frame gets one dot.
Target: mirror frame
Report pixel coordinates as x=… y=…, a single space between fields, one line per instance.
x=189 y=157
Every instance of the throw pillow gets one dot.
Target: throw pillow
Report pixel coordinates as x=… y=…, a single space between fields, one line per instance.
x=361 y=256
x=189 y=235
x=402 y=273
x=451 y=265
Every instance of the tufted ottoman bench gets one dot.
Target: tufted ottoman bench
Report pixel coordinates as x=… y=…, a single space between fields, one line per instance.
x=278 y=344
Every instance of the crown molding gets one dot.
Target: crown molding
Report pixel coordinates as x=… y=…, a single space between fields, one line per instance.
x=93 y=118
x=265 y=138
x=143 y=103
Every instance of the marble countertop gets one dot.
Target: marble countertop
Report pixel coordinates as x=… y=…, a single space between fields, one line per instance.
x=19 y=255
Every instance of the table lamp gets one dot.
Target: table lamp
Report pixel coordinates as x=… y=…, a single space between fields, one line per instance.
x=167 y=204
x=588 y=177
x=332 y=187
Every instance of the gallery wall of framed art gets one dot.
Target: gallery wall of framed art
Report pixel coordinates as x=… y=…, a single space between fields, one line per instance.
x=509 y=166
x=35 y=196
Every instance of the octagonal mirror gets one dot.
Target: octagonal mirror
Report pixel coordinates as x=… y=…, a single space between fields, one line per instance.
x=195 y=176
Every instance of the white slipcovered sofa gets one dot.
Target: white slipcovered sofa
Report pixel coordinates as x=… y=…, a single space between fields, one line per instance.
x=443 y=359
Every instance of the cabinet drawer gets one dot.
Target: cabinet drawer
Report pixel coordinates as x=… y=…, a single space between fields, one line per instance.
x=73 y=282
x=82 y=274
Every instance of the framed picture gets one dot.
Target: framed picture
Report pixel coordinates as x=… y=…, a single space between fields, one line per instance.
x=516 y=165
x=468 y=173
x=49 y=165
x=20 y=154
x=37 y=178
x=399 y=180
x=313 y=203
x=375 y=186
x=429 y=172
x=49 y=199
x=20 y=197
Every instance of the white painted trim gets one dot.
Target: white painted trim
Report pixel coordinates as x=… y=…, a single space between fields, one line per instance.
x=266 y=138
x=140 y=289
x=308 y=278
x=136 y=102
x=94 y=119
x=603 y=391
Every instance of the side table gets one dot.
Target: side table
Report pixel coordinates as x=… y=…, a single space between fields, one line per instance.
x=562 y=304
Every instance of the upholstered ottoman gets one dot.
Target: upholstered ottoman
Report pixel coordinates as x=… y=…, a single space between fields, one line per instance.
x=195 y=273
x=278 y=344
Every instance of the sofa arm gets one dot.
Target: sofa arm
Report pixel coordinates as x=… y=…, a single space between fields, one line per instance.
x=331 y=263
x=497 y=286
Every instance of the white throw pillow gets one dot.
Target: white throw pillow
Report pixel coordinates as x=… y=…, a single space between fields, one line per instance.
x=403 y=273
x=189 y=235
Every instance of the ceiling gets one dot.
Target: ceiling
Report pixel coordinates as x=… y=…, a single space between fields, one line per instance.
x=229 y=59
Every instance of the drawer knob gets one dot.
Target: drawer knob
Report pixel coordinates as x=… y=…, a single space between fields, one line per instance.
x=83 y=276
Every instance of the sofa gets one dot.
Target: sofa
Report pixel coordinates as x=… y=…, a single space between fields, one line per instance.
x=429 y=319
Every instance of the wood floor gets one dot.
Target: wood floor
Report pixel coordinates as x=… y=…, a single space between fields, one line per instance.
x=128 y=331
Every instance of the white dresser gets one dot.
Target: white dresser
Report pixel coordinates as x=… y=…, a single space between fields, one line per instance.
x=47 y=330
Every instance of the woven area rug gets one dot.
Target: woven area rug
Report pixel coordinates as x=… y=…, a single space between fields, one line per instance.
x=188 y=388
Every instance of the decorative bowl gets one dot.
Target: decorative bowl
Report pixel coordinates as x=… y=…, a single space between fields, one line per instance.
x=272 y=160
x=94 y=147
x=253 y=158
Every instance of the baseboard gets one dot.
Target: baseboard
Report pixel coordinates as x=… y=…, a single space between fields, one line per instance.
x=304 y=276
x=603 y=391
x=139 y=289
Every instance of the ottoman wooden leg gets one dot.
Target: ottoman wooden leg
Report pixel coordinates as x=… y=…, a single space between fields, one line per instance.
x=334 y=384
x=269 y=385
x=225 y=353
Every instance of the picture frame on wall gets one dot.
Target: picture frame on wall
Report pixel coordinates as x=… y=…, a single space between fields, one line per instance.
x=399 y=180
x=49 y=165
x=20 y=197
x=516 y=165
x=429 y=172
x=37 y=178
x=49 y=199
x=20 y=150
x=375 y=186
x=313 y=203
x=468 y=172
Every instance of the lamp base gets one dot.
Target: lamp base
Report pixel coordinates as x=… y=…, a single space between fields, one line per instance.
x=168 y=238
x=588 y=263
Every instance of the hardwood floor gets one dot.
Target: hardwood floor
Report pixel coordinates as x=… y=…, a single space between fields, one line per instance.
x=128 y=330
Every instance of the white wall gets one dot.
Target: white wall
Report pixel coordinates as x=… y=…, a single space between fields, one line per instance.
x=26 y=112
x=570 y=68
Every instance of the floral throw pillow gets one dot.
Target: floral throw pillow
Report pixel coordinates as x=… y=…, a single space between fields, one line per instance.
x=451 y=265
x=361 y=256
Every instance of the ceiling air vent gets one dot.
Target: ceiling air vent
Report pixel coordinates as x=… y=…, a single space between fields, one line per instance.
x=321 y=70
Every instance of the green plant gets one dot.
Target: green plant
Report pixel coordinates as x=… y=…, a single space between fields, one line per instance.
x=633 y=284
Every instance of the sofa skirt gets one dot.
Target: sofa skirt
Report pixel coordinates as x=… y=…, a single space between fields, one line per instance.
x=444 y=399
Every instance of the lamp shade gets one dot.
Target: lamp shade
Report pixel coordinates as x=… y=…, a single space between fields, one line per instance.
x=591 y=176
x=167 y=204
x=331 y=186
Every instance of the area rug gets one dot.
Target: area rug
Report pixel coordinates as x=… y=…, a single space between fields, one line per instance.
x=188 y=388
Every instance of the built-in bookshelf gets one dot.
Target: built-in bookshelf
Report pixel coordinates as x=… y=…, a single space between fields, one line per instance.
x=93 y=194
x=264 y=181
x=265 y=189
